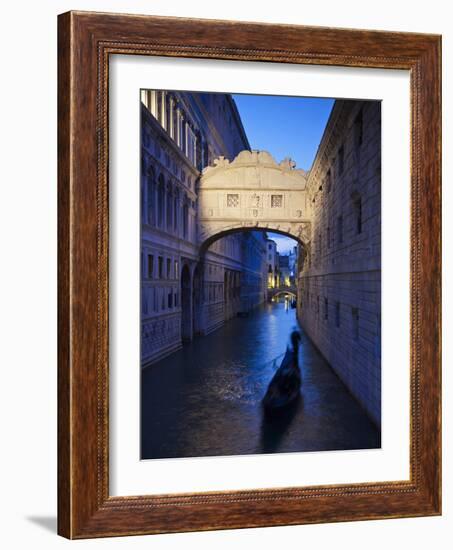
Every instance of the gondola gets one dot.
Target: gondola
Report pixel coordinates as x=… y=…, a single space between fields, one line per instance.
x=284 y=388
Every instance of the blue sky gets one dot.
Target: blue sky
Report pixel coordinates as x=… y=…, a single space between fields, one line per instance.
x=284 y=244
x=286 y=127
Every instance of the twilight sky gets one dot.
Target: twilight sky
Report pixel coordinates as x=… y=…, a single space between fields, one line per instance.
x=285 y=127
x=284 y=244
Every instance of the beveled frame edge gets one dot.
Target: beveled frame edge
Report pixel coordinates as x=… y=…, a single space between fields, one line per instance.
x=85 y=41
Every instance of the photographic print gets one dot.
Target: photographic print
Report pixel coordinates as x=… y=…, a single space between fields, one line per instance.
x=260 y=274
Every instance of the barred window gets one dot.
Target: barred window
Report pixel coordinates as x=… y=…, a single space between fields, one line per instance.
x=358 y=130
x=340 y=229
x=276 y=201
x=150 y=266
x=355 y=323
x=358 y=214
x=328 y=181
x=337 y=314
x=232 y=201
x=341 y=160
x=144 y=301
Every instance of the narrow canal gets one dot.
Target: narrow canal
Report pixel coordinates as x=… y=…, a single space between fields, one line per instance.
x=205 y=400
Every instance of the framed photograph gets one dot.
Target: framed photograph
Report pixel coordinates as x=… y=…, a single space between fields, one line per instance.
x=249 y=275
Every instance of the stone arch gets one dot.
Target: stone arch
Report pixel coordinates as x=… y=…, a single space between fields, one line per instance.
x=161 y=196
x=185 y=217
x=253 y=192
x=289 y=292
x=204 y=245
x=149 y=204
x=169 y=205
x=299 y=234
x=176 y=204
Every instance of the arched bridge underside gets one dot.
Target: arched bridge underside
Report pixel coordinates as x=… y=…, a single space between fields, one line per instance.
x=274 y=292
x=253 y=192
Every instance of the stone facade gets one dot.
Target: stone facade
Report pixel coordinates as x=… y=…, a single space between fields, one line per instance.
x=272 y=264
x=293 y=262
x=340 y=283
x=207 y=203
x=186 y=291
x=253 y=191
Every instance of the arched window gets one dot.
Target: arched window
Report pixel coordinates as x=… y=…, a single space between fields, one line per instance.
x=199 y=160
x=358 y=130
x=340 y=229
x=160 y=111
x=161 y=202
x=185 y=217
x=337 y=314
x=355 y=323
x=169 y=207
x=167 y=113
x=341 y=160
x=151 y=198
x=175 y=209
x=358 y=214
x=175 y=122
x=182 y=138
x=357 y=205
x=205 y=154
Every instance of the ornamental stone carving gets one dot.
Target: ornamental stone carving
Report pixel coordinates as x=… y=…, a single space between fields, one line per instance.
x=253 y=191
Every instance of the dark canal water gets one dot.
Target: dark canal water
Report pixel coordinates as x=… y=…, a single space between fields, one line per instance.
x=205 y=400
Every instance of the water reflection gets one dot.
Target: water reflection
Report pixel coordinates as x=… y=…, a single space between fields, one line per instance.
x=275 y=425
x=205 y=400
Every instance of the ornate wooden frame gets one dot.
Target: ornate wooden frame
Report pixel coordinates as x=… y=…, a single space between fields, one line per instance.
x=85 y=41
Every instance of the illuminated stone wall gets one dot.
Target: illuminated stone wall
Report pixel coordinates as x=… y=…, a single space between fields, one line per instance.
x=183 y=294
x=340 y=285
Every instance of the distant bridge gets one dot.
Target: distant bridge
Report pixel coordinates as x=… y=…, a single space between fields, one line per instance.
x=291 y=290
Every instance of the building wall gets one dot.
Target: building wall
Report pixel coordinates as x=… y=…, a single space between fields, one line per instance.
x=253 y=285
x=293 y=260
x=183 y=294
x=272 y=264
x=339 y=286
x=284 y=270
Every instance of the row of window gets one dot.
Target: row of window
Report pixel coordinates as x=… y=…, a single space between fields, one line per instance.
x=357 y=213
x=155 y=300
x=174 y=119
x=213 y=292
x=159 y=299
x=354 y=313
x=162 y=268
x=338 y=162
x=233 y=201
x=164 y=206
